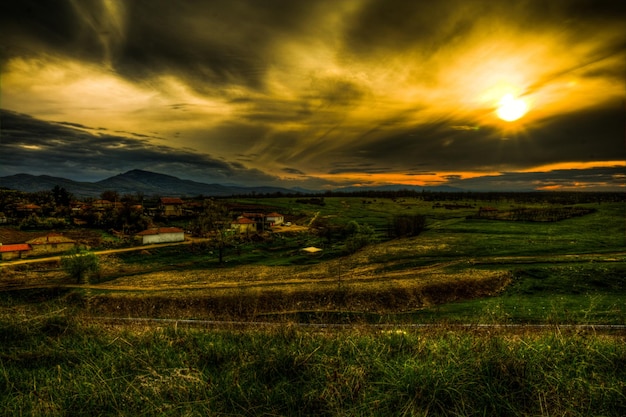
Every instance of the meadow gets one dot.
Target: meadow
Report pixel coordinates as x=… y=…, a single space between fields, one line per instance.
x=439 y=324
x=458 y=270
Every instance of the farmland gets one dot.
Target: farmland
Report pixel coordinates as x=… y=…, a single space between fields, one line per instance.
x=460 y=270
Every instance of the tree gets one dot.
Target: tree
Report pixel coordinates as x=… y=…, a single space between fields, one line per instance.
x=61 y=196
x=358 y=236
x=79 y=262
x=214 y=222
x=110 y=195
x=406 y=225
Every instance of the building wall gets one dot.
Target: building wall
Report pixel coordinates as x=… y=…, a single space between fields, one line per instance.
x=172 y=210
x=7 y=256
x=244 y=228
x=275 y=219
x=52 y=248
x=163 y=238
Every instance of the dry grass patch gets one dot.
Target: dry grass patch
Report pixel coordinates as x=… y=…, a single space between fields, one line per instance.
x=231 y=296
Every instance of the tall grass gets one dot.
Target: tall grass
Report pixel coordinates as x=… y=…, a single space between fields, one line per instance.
x=55 y=365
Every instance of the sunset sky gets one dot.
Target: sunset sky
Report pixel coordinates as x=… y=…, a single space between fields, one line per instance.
x=318 y=93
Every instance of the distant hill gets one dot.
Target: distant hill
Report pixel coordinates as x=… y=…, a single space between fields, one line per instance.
x=31 y=183
x=131 y=182
x=152 y=183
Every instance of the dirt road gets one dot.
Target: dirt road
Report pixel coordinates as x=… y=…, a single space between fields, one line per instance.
x=101 y=252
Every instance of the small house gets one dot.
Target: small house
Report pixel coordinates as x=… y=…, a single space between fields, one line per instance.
x=171 y=206
x=51 y=243
x=244 y=225
x=101 y=205
x=17 y=251
x=274 y=219
x=161 y=235
x=25 y=210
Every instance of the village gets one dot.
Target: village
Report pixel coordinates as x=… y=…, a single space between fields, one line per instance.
x=28 y=229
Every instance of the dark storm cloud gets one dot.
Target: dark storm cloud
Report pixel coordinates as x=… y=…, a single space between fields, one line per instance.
x=57 y=149
x=597 y=179
x=367 y=168
x=592 y=134
x=398 y=25
x=207 y=43
x=293 y=171
x=589 y=135
x=29 y=25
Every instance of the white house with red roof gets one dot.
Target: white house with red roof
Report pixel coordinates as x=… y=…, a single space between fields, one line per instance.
x=274 y=219
x=161 y=235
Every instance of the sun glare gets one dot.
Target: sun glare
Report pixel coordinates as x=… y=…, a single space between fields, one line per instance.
x=511 y=108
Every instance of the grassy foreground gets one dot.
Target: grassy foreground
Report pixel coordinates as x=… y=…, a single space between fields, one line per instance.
x=54 y=362
x=57 y=365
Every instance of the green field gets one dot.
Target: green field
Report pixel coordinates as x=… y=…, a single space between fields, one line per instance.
x=570 y=271
x=458 y=277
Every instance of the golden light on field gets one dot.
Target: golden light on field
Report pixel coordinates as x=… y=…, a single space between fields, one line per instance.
x=511 y=108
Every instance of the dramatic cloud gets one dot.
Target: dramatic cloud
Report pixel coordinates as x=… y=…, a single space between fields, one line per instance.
x=316 y=93
x=70 y=149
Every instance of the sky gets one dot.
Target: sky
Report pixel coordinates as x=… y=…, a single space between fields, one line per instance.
x=318 y=94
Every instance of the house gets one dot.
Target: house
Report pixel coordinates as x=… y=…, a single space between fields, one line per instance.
x=161 y=235
x=25 y=210
x=51 y=243
x=101 y=204
x=274 y=219
x=17 y=251
x=171 y=206
x=488 y=212
x=243 y=225
x=257 y=217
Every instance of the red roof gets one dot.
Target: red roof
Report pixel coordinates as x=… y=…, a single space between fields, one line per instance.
x=28 y=207
x=50 y=238
x=15 y=248
x=160 y=230
x=243 y=220
x=274 y=215
x=171 y=200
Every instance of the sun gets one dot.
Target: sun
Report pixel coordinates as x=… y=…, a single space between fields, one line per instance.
x=511 y=108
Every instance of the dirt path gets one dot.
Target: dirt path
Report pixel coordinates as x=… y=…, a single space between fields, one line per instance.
x=101 y=252
x=490 y=328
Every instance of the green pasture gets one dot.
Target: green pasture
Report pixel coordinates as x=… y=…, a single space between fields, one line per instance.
x=570 y=271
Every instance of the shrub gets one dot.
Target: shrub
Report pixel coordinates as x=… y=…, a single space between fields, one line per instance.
x=79 y=262
x=407 y=225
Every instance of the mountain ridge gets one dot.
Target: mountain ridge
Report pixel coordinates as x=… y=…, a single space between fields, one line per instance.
x=134 y=181
x=153 y=183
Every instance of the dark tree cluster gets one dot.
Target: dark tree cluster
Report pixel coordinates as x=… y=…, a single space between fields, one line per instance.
x=406 y=225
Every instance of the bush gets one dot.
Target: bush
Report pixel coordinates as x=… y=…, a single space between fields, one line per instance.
x=35 y=222
x=407 y=225
x=80 y=262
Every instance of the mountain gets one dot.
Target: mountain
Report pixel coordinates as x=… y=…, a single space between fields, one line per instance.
x=152 y=183
x=131 y=182
x=32 y=183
